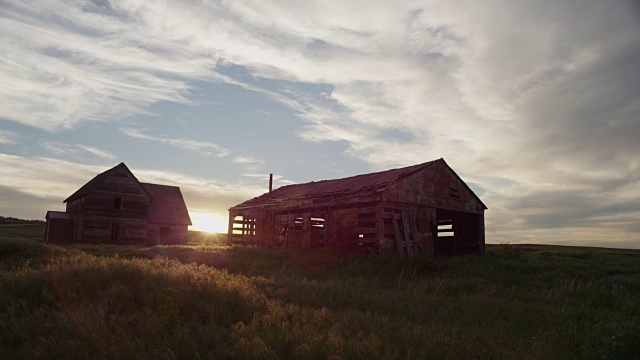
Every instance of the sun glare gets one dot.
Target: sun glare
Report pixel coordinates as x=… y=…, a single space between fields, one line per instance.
x=208 y=222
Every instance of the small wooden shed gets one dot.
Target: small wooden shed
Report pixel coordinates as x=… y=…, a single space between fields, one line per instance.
x=114 y=207
x=424 y=208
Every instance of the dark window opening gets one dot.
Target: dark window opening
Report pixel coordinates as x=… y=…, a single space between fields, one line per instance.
x=117 y=203
x=453 y=192
x=243 y=225
x=445 y=228
x=238 y=224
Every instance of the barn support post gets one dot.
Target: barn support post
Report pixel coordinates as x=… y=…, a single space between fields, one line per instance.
x=399 y=233
x=230 y=229
x=481 y=234
x=406 y=227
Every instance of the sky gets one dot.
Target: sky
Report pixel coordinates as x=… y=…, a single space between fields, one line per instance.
x=534 y=103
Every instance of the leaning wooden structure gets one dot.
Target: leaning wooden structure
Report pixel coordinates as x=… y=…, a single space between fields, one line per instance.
x=424 y=208
x=114 y=207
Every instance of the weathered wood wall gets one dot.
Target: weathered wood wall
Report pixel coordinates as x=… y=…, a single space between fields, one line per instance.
x=95 y=213
x=403 y=218
x=59 y=230
x=173 y=235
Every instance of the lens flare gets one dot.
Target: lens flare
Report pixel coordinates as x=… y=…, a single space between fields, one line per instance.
x=208 y=222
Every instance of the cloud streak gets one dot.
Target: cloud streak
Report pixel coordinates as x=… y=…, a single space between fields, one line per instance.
x=247 y=160
x=201 y=147
x=75 y=150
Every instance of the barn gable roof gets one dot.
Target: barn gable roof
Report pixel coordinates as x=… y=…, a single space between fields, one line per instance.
x=353 y=185
x=167 y=205
x=100 y=177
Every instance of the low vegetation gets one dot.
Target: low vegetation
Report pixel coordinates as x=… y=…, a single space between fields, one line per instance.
x=205 y=300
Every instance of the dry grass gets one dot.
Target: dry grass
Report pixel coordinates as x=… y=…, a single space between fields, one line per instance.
x=209 y=301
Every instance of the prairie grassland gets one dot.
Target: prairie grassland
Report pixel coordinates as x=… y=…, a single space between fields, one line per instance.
x=209 y=301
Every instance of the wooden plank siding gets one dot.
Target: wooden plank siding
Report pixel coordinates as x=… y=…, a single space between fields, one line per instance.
x=401 y=215
x=102 y=222
x=114 y=207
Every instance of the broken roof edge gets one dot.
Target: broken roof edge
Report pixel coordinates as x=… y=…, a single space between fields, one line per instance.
x=410 y=170
x=268 y=198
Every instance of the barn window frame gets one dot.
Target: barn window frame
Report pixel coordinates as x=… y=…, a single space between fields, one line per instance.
x=117 y=202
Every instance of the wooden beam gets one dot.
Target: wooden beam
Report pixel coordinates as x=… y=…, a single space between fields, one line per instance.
x=406 y=224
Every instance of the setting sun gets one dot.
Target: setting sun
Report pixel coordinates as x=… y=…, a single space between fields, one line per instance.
x=208 y=222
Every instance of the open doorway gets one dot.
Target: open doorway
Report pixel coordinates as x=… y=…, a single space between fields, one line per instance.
x=115 y=232
x=457 y=233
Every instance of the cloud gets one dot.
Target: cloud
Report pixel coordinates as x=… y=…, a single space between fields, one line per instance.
x=247 y=160
x=201 y=147
x=104 y=154
x=42 y=177
x=530 y=100
x=8 y=137
x=76 y=150
x=63 y=64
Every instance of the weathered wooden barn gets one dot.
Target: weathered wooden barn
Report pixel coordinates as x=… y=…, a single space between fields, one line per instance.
x=114 y=207
x=424 y=208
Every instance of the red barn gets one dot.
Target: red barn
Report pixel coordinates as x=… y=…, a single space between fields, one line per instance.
x=114 y=207
x=424 y=208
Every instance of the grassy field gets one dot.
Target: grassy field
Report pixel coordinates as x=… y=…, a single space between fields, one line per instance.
x=208 y=301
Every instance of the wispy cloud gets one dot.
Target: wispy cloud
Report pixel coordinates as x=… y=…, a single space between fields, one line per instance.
x=59 y=148
x=98 y=152
x=8 y=137
x=542 y=94
x=201 y=147
x=247 y=160
x=74 y=150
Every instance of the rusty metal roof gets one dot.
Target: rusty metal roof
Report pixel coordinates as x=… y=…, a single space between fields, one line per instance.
x=339 y=187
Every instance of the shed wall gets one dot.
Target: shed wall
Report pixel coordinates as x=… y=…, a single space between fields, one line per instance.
x=404 y=218
x=166 y=234
x=98 y=220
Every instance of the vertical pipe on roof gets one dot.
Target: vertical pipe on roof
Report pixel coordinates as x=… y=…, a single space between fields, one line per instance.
x=270 y=182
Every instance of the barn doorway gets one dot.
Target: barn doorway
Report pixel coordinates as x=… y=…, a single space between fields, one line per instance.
x=457 y=233
x=115 y=229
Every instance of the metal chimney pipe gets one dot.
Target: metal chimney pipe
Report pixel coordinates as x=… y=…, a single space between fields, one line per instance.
x=270 y=182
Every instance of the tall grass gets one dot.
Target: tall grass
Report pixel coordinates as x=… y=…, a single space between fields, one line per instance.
x=206 y=301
